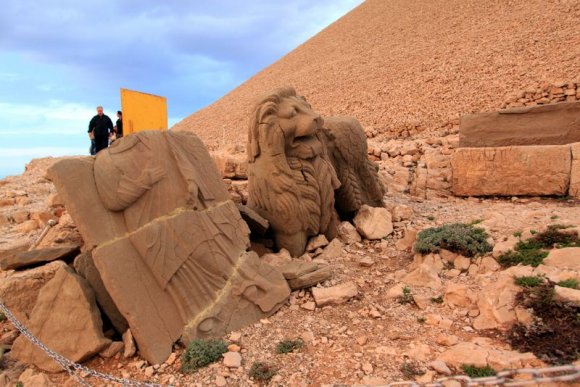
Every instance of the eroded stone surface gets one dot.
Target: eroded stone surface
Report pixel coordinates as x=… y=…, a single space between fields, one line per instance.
x=66 y=319
x=170 y=245
x=556 y=124
x=530 y=170
x=33 y=257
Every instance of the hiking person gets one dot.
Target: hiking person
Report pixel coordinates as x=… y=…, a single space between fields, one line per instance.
x=101 y=126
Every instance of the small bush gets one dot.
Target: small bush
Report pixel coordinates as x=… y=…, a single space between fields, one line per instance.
x=571 y=283
x=477 y=372
x=517 y=234
x=529 y=282
x=262 y=372
x=437 y=300
x=288 y=346
x=421 y=320
x=2 y=317
x=460 y=238
x=410 y=369
x=407 y=297
x=533 y=251
x=200 y=353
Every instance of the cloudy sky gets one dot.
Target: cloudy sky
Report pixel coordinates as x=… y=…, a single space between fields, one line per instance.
x=59 y=59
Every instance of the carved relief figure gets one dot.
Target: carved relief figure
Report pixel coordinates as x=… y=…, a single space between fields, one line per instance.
x=171 y=247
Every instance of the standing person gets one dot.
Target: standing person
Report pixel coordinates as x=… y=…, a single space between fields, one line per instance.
x=101 y=126
x=119 y=124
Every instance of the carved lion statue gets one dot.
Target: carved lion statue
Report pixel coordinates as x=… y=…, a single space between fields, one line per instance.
x=299 y=168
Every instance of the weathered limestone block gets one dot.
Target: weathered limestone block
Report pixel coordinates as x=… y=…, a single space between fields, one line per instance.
x=65 y=319
x=170 y=244
x=530 y=170
x=85 y=267
x=34 y=257
x=555 y=124
x=297 y=163
x=231 y=166
x=19 y=291
x=575 y=171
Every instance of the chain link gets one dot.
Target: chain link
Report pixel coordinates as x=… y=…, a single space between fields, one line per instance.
x=77 y=371
x=507 y=378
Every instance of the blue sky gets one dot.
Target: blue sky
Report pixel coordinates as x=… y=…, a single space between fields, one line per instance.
x=60 y=59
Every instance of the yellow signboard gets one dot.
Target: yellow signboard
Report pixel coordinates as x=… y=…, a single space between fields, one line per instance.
x=142 y=111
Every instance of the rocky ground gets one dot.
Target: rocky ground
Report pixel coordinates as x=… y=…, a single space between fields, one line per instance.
x=372 y=337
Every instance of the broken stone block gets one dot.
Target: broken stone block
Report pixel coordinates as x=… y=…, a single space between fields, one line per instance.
x=85 y=267
x=65 y=319
x=334 y=295
x=555 y=124
x=310 y=279
x=171 y=247
x=257 y=224
x=347 y=233
x=33 y=257
x=566 y=258
x=512 y=171
x=19 y=291
x=317 y=242
x=373 y=222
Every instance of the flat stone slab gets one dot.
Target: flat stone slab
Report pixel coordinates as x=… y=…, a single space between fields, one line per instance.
x=556 y=124
x=508 y=171
x=575 y=173
x=29 y=258
x=334 y=295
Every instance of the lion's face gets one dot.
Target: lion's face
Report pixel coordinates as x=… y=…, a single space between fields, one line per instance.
x=298 y=122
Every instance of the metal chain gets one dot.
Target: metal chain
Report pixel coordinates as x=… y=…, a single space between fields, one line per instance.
x=77 y=371
x=567 y=373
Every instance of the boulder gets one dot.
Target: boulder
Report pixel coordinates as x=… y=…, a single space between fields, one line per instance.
x=347 y=233
x=31 y=378
x=401 y=212
x=65 y=319
x=567 y=294
x=34 y=257
x=373 y=222
x=512 y=171
x=425 y=276
x=408 y=240
x=566 y=258
x=480 y=353
x=459 y=295
x=334 y=295
x=171 y=246
x=19 y=291
x=317 y=242
x=496 y=301
x=231 y=166
x=555 y=124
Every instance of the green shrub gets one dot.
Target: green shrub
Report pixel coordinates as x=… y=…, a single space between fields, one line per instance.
x=529 y=282
x=421 y=320
x=571 y=283
x=460 y=238
x=517 y=234
x=261 y=372
x=200 y=353
x=288 y=346
x=533 y=251
x=437 y=300
x=407 y=297
x=2 y=317
x=477 y=372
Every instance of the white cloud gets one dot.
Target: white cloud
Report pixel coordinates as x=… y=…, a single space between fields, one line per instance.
x=56 y=117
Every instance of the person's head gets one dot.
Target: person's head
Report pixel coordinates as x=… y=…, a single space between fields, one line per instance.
x=100 y=110
x=119 y=114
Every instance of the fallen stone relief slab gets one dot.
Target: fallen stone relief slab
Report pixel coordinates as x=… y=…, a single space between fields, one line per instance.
x=170 y=245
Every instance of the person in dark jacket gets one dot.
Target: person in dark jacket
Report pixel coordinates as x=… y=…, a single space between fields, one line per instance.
x=119 y=124
x=101 y=126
